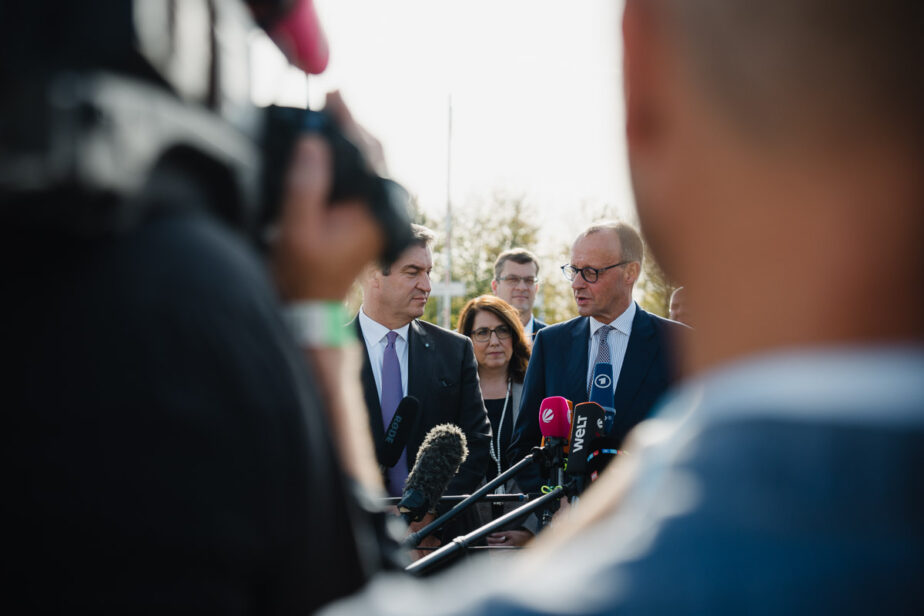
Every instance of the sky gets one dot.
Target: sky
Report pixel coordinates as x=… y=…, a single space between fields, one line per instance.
x=534 y=88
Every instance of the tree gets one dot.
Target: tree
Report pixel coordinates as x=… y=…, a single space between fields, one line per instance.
x=481 y=230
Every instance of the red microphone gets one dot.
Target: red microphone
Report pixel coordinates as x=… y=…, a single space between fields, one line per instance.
x=300 y=35
x=555 y=419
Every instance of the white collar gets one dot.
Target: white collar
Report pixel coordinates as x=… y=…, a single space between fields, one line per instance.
x=623 y=322
x=374 y=332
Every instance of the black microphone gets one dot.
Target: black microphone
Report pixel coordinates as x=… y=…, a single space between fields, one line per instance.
x=399 y=430
x=587 y=425
x=442 y=452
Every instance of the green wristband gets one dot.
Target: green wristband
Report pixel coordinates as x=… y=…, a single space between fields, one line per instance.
x=319 y=324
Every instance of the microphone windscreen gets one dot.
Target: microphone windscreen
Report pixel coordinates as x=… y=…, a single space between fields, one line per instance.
x=555 y=417
x=442 y=452
x=399 y=430
x=587 y=424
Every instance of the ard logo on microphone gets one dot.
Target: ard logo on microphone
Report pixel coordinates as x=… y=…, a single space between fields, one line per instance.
x=548 y=415
x=603 y=381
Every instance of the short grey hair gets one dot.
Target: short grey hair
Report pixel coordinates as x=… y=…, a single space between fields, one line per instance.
x=630 y=242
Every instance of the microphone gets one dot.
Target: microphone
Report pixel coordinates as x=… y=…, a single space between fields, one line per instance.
x=555 y=418
x=442 y=452
x=301 y=37
x=602 y=391
x=588 y=424
x=399 y=430
x=555 y=425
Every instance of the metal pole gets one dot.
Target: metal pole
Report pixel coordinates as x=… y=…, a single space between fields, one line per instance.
x=447 y=298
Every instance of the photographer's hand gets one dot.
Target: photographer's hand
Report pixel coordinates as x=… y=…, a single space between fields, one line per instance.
x=321 y=248
x=319 y=251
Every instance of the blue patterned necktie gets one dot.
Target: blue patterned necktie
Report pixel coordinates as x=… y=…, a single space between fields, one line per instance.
x=392 y=393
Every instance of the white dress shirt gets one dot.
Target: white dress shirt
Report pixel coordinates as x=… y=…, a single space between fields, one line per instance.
x=375 y=336
x=528 y=328
x=617 y=339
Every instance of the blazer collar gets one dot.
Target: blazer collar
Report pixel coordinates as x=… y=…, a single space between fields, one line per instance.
x=419 y=363
x=576 y=357
x=640 y=353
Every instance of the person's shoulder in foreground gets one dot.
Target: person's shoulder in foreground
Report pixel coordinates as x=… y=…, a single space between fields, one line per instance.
x=743 y=497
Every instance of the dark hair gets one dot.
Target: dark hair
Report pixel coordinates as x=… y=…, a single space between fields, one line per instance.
x=517 y=255
x=422 y=237
x=516 y=368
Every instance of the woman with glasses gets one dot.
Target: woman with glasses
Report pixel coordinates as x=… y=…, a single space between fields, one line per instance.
x=502 y=351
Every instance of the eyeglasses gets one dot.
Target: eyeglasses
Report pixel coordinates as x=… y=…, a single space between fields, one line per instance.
x=590 y=274
x=515 y=280
x=483 y=334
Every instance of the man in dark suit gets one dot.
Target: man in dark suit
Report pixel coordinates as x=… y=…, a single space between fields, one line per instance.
x=408 y=357
x=606 y=260
x=516 y=281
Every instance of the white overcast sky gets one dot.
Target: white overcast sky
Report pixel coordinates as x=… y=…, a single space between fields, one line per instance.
x=535 y=87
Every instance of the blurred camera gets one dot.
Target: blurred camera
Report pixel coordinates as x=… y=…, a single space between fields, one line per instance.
x=353 y=177
x=94 y=122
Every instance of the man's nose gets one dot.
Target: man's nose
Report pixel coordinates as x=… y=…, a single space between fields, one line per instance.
x=424 y=283
x=578 y=282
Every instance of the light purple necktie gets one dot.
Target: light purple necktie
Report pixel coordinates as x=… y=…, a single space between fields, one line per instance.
x=392 y=393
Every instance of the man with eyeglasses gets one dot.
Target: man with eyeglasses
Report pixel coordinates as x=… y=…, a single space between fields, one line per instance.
x=516 y=281
x=606 y=260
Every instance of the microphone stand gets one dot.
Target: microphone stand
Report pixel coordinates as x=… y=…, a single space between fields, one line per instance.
x=463 y=542
x=414 y=538
x=556 y=461
x=455 y=499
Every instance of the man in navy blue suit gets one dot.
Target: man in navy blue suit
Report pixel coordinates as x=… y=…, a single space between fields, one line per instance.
x=606 y=260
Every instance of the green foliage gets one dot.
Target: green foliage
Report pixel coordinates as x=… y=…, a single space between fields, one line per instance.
x=653 y=289
x=482 y=228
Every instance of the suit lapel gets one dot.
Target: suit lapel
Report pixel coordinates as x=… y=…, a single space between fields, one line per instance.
x=639 y=354
x=421 y=379
x=576 y=372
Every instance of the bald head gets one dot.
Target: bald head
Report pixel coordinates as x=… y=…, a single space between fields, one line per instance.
x=790 y=67
x=775 y=151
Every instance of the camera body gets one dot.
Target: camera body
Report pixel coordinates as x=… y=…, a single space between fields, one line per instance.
x=352 y=176
x=90 y=122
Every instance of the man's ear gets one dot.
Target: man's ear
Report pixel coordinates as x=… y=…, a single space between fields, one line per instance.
x=494 y=287
x=371 y=276
x=633 y=271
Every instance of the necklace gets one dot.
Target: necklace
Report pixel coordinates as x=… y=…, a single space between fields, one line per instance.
x=495 y=448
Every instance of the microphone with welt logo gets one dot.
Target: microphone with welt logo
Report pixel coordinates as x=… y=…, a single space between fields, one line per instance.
x=588 y=424
x=442 y=452
x=399 y=430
